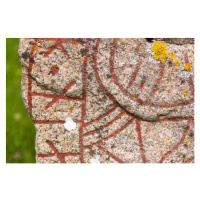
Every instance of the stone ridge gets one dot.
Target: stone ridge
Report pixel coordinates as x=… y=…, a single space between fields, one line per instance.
x=178 y=41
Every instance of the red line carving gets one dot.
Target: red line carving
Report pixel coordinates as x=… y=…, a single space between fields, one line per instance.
x=175 y=119
x=53 y=121
x=112 y=53
x=54 y=154
x=111 y=135
x=51 y=103
x=31 y=61
x=134 y=74
x=61 y=96
x=60 y=156
x=97 y=74
x=112 y=121
x=49 y=122
x=140 y=141
x=68 y=86
x=159 y=79
x=119 y=130
x=83 y=103
x=58 y=44
x=110 y=154
x=191 y=84
x=176 y=146
x=102 y=116
x=143 y=82
x=55 y=96
x=186 y=58
x=138 y=47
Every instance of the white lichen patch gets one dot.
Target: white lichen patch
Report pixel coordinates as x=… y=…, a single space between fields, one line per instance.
x=69 y=124
x=149 y=47
x=185 y=74
x=95 y=161
x=150 y=59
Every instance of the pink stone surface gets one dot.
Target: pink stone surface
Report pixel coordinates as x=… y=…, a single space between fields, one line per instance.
x=128 y=107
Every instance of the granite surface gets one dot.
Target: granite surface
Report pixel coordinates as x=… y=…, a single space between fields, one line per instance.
x=110 y=100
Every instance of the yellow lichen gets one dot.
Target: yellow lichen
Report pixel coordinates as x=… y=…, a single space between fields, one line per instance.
x=177 y=62
x=70 y=109
x=172 y=56
x=185 y=93
x=135 y=97
x=160 y=50
x=187 y=67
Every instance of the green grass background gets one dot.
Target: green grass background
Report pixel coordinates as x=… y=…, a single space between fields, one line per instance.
x=20 y=131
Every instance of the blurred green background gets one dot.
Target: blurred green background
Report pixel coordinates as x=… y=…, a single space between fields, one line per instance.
x=20 y=131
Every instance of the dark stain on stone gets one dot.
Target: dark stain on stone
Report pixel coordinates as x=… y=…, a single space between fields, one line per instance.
x=108 y=76
x=100 y=135
x=182 y=81
x=149 y=39
x=42 y=52
x=31 y=60
x=83 y=51
x=191 y=134
x=90 y=75
x=52 y=82
x=25 y=55
x=170 y=63
x=108 y=158
x=103 y=99
x=81 y=40
x=178 y=41
x=94 y=48
x=92 y=152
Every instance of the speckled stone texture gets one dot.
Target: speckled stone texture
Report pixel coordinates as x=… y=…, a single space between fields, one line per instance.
x=128 y=106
